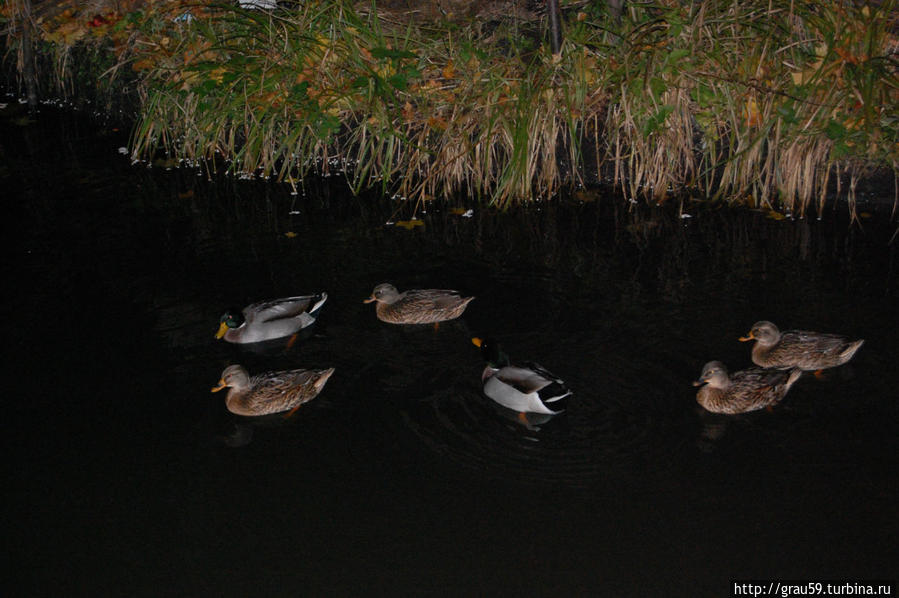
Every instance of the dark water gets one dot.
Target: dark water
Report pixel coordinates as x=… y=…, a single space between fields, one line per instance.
x=128 y=478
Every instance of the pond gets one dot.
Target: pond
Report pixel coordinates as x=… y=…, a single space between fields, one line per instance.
x=130 y=478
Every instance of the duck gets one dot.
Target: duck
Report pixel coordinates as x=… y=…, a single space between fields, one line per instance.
x=809 y=351
x=744 y=391
x=270 y=392
x=526 y=388
x=417 y=306
x=269 y=320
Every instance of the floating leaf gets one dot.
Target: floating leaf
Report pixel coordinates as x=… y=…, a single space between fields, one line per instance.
x=410 y=224
x=290 y=234
x=773 y=215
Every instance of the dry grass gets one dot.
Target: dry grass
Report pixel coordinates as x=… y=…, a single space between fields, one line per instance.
x=760 y=103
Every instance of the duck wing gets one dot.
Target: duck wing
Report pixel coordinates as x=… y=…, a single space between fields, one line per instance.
x=760 y=387
x=285 y=307
x=533 y=378
x=816 y=341
x=434 y=298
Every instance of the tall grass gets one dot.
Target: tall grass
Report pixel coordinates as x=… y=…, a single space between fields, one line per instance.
x=764 y=103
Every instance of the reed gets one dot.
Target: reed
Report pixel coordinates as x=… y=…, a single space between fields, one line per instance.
x=766 y=104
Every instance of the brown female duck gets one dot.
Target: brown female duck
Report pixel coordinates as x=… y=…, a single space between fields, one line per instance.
x=798 y=348
x=740 y=392
x=421 y=306
x=271 y=392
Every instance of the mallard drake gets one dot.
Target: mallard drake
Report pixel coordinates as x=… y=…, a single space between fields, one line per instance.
x=798 y=348
x=270 y=392
x=421 y=306
x=526 y=388
x=747 y=390
x=269 y=320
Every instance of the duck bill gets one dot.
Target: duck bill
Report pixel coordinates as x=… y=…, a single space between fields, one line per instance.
x=223 y=328
x=220 y=386
x=698 y=382
x=369 y=300
x=477 y=342
x=748 y=337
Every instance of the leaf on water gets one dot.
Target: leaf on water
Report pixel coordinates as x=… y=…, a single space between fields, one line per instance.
x=165 y=163
x=410 y=224
x=586 y=195
x=773 y=215
x=290 y=234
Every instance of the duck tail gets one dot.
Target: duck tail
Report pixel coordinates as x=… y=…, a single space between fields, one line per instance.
x=556 y=394
x=323 y=379
x=794 y=376
x=850 y=351
x=319 y=301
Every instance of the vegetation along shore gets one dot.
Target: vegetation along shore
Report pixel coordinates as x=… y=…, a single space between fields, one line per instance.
x=773 y=104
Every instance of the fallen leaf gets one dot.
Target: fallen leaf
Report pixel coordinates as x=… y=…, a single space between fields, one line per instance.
x=449 y=71
x=410 y=224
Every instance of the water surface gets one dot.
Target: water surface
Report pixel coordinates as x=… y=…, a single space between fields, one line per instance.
x=130 y=478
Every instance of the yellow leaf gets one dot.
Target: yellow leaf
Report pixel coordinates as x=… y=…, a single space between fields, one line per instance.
x=290 y=234
x=752 y=114
x=408 y=112
x=436 y=122
x=449 y=71
x=772 y=215
x=410 y=224
x=217 y=74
